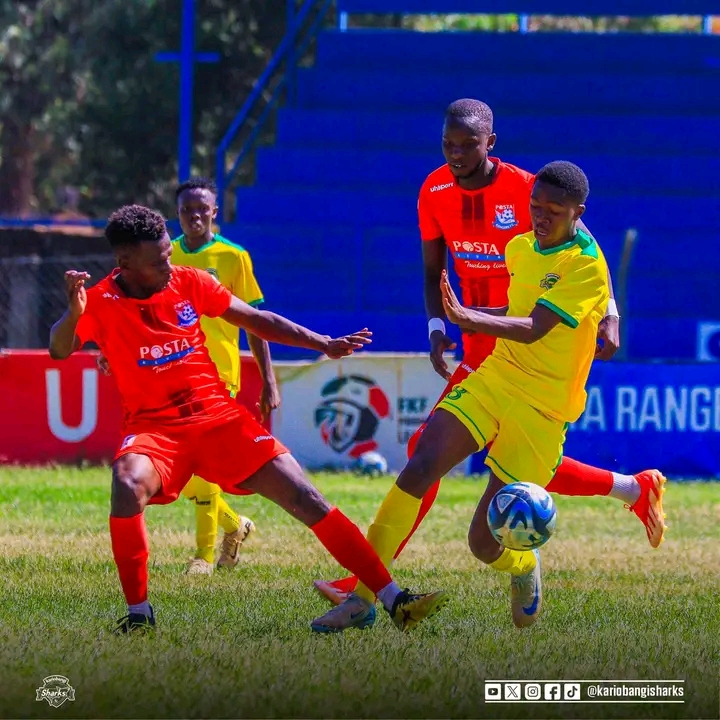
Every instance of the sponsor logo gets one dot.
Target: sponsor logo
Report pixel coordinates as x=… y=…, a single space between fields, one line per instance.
x=260 y=438
x=474 y=251
x=438 y=188
x=505 y=217
x=156 y=355
x=349 y=414
x=186 y=314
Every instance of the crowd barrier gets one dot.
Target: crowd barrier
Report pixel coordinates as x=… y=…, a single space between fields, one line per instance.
x=637 y=415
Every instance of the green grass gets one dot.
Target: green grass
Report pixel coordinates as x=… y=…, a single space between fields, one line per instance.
x=238 y=644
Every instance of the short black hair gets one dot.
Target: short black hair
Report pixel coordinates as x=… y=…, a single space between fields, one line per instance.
x=568 y=177
x=473 y=112
x=133 y=224
x=198 y=183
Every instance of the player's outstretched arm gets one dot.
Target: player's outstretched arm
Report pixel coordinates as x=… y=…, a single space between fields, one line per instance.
x=518 y=329
x=499 y=311
x=63 y=340
x=276 y=328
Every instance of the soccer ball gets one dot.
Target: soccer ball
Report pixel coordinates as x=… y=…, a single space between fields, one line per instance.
x=522 y=516
x=371 y=463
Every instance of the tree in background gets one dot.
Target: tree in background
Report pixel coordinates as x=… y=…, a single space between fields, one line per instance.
x=84 y=106
x=41 y=85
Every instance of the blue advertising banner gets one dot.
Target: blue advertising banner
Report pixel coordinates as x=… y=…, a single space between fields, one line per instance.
x=642 y=416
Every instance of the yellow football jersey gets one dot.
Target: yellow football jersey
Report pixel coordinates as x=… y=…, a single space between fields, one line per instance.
x=231 y=265
x=571 y=280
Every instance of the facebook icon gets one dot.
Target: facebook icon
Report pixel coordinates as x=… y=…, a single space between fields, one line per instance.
x=552 y=691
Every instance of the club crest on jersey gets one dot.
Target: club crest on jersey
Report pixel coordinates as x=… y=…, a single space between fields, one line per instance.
x=505 y=217
x=187 y=316
x=548 y=282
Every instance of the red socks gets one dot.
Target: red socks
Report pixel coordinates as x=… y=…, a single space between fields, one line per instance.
x=344 y=541
x=349 y=584
x=577 y=479
x=130 y=550
x=413 y=441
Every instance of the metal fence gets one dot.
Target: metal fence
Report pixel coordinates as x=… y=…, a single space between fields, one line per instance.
x=32 y=294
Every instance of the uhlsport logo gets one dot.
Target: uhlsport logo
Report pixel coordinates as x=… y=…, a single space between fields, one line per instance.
x=349 y=414
x=505 y=217
x=187 y=316
x=56 y=689
x=548 y=282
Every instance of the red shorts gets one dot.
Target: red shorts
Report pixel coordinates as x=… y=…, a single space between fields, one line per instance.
x=223 y=454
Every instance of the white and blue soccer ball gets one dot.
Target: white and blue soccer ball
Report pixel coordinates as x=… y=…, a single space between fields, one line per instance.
x=522 y=516
x=370 y=464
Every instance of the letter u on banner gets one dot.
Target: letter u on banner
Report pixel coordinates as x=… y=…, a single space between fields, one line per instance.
x=88 y=418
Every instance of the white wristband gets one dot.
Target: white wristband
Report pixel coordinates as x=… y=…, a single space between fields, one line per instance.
x=436 y=324
x=612 y=309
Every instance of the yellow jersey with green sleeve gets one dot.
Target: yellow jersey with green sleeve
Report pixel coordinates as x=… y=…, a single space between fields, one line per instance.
x=572 y=281
x=230 y=264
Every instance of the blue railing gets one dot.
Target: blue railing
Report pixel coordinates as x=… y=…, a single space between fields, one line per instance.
x=288 y=53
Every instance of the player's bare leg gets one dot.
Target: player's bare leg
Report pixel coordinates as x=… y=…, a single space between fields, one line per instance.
x=523 y=566
x=283 y=481
x=134 y=481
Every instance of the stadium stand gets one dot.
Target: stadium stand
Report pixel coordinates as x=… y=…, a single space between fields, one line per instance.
x=331 y=218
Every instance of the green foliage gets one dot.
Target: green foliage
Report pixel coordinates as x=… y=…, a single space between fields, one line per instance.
x=80 y=83
x=551 y=23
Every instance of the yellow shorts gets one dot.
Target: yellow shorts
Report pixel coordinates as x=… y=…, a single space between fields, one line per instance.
x=526 y=445
x=197 y=487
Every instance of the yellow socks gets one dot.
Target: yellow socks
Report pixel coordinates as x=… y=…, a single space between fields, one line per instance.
x=227 y=518
x=391 y=526
x=516 y=562
x=206 y=526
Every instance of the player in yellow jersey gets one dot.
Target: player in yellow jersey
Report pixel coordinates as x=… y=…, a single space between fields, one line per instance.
x=200 y=247
x=522 y=397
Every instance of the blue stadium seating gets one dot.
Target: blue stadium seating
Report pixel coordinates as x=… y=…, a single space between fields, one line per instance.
x=331 y=219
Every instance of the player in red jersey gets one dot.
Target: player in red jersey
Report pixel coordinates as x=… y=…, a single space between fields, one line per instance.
x=471 y=207
x=179 y=418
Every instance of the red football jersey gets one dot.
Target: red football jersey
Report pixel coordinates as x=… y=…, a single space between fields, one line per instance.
x=476 y=226
x=156 y=349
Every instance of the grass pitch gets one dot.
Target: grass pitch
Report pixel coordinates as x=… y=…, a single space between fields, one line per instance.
x=238 y=644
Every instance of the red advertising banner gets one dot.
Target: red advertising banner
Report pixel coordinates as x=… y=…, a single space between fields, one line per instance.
x=68 y=411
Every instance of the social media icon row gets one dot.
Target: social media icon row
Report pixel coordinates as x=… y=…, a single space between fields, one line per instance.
x=515 y=692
